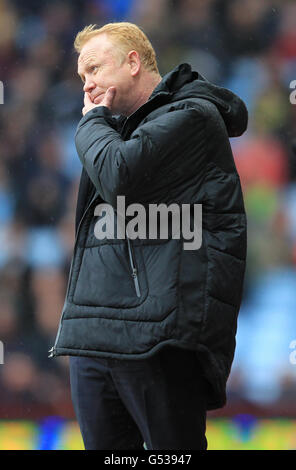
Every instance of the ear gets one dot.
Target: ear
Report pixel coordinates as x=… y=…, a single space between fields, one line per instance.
x=134 y=62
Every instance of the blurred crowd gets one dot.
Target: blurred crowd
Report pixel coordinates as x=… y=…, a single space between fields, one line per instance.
x=248 y=46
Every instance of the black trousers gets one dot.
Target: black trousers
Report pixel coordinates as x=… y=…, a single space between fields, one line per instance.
x=120 y=404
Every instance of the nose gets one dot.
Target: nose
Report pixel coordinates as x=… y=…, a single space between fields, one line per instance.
x=89 y=85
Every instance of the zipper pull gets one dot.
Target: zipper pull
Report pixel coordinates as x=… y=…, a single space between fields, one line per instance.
x=136 y=282
x=134 y=273
x=51 y=351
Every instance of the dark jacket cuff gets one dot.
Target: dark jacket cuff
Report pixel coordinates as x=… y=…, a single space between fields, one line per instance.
x=98 y=112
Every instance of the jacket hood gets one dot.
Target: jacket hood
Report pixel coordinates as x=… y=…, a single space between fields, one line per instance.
x=184 y=83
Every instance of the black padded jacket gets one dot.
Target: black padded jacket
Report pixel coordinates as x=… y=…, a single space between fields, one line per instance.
x=127 y=298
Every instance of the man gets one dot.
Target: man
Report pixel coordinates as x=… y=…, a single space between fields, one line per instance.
x=149 y=325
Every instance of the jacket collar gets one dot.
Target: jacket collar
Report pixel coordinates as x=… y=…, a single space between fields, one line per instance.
x=175 y=79
x=162 y=94
x=130 y=123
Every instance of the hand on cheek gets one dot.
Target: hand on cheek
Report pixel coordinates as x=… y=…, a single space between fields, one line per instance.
x=106 y=100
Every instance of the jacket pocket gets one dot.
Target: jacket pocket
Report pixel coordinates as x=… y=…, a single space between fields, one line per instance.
x=110 y=275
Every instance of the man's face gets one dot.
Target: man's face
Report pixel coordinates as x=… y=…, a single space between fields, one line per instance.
x=100 y=67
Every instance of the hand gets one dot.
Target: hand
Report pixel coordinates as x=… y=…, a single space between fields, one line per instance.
x=107 y=100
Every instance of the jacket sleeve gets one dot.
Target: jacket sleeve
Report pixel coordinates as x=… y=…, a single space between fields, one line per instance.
x=118 y=167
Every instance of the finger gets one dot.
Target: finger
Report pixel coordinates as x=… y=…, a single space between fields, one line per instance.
x=87 y=100
x=111 y=92
x=109 y=97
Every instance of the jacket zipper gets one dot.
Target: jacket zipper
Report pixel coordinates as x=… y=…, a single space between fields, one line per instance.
x=134 y=269
x=52 y=351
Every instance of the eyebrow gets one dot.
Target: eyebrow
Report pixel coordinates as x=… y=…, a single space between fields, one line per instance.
x=81 y=76
x=88 y=65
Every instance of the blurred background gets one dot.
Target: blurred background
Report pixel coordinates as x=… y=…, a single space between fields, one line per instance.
x=248 y=46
